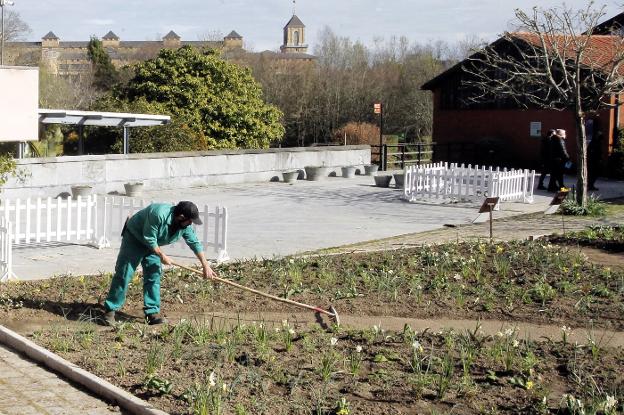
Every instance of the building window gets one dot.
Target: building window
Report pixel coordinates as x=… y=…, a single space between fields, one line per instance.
x=296 y=38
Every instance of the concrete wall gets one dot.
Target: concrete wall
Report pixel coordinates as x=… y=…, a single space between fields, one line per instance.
x=107 y=173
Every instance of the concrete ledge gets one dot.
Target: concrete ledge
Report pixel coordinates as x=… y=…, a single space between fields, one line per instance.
x=49 y=177
x=99 y=387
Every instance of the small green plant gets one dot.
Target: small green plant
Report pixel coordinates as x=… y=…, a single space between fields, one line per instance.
x=161 y=386
x=207 y=398
x=354 y=361
x=154 y=359
x=594 y=207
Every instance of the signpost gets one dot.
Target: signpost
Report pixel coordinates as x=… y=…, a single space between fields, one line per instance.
x=555 y=204
x=485 y=212
x=378 y=109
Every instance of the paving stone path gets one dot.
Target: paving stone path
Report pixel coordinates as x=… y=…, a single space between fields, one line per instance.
x=29 y=389
x=516 y=227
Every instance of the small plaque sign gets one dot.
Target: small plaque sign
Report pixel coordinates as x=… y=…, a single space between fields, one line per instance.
x=489 y=204
x=556 y=202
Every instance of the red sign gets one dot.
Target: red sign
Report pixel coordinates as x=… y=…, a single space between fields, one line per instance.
x=377 y=108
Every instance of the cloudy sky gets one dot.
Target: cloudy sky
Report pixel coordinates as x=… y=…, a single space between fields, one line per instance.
x=260 y=22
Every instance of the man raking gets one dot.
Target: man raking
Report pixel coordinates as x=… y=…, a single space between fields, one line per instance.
x=143 y=236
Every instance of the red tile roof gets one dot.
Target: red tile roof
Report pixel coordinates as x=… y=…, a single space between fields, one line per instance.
x=599 y=52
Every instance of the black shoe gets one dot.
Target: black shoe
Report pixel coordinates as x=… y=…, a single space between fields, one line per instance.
x=153 y=319
x=109 y=318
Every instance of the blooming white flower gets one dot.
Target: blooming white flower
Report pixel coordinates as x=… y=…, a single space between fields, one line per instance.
x=212 y=379
x=358 y=349
x=291 y=332
x=509 y=332
x=515 y=343
x=284 y=323
x=292 y=261
x=566 y=329
x=457 y=277
x=417 y=346
x=277 y=329
x=225 y=387
x=610 y=403
x=333 y=341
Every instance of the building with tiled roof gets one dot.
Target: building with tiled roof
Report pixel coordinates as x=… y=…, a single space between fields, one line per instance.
x=511 y=123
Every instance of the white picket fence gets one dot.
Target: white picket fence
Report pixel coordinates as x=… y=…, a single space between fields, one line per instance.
x=6 y=253
x=52 y=220
x=212 y=233
x=89 y=220
x=452 y=182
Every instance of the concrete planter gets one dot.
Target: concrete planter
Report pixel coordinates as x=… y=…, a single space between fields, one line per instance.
x=382 y=181
x=348 y=172
x=82 y=191
x=399 y=180
x=315 y=173
x=134 y=189
x=291 y=176
x=371 y=169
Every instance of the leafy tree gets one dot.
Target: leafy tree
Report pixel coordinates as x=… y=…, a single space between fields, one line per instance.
x=104 y=72
x=218 y=104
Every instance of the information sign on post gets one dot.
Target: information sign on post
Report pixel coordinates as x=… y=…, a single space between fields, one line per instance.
x=485 y=212
x=556 y=202
x=378 y=109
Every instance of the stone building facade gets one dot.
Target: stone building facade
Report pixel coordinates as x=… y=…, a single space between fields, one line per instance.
x=69 y=58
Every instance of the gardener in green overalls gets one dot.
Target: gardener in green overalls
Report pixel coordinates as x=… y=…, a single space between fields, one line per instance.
x=144 y=233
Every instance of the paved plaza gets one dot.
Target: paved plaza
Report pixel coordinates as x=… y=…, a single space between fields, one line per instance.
x=275 y=219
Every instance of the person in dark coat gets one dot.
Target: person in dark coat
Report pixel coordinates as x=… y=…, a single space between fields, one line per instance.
x=545 y=158
x=594 y=157
x=559 y=157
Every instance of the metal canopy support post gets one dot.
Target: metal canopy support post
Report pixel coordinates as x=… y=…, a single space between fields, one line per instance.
x=80 y=139
x=126 y=139
x=21 y=149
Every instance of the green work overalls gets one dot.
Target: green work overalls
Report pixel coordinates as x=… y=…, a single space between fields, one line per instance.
x=144 y=231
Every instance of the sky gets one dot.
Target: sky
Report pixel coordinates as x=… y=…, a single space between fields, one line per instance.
x=260 y=22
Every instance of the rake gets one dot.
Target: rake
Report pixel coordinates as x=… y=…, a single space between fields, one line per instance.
x=332 y=313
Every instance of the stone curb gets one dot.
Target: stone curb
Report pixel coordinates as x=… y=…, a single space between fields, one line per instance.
x=96 y=385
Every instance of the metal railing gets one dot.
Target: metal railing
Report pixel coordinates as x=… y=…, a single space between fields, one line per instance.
x=399 y=156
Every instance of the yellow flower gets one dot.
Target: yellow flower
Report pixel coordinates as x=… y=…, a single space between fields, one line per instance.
x=499 y=249
x=343 y=411
x=529 y=385
x=117 y=346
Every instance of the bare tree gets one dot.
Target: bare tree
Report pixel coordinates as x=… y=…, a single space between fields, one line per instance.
x=14 y=27
x=555 y=62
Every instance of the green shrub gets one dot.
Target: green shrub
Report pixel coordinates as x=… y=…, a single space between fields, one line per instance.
x=595 y=207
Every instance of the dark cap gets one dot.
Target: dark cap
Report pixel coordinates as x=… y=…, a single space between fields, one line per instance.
x=189 y=211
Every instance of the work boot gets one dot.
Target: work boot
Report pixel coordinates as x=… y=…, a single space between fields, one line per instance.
x=153 y=319
x=109 y=318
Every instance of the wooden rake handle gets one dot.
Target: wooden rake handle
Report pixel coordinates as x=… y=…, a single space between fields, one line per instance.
x=263 y=294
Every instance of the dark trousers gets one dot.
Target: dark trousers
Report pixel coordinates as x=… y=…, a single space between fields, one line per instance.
x=556 y=178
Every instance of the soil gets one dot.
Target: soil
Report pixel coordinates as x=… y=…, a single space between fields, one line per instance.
x=564 y=306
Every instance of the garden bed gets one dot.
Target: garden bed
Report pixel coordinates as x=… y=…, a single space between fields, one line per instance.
x=291 y=367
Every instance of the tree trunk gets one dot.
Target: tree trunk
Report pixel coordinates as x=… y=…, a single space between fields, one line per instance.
x=581 y=171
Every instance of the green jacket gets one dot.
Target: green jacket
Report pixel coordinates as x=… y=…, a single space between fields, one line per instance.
x=151 y=227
